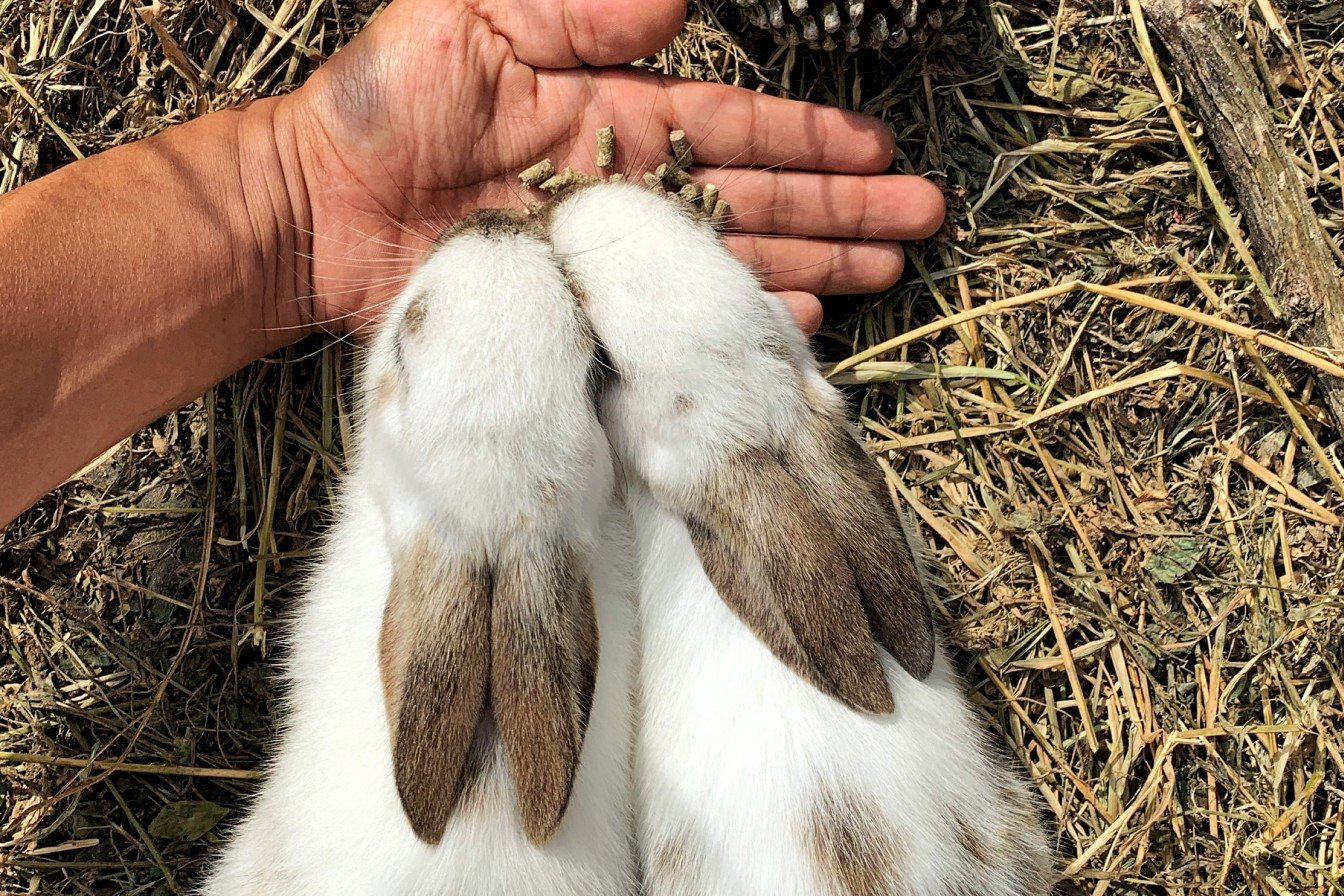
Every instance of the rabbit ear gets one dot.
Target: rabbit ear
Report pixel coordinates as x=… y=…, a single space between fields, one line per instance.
x=849 y=492
x=770 y=556
x=434 y=658
x=543 y=636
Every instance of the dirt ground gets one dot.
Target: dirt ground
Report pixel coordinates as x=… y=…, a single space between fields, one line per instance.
x=1138 y=511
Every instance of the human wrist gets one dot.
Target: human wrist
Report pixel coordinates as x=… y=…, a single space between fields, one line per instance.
x=276 y=237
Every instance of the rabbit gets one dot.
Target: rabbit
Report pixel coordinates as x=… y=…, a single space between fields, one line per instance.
x=443 y=669
x=778 y=750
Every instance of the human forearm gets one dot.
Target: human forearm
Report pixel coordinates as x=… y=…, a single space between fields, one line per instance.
x=132 y=282
x=98 y=338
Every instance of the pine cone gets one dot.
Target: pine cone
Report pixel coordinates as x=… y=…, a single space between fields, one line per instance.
x=852 y=24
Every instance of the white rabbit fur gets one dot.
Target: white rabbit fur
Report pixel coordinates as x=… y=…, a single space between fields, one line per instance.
x=750 y=781
x=478 y=420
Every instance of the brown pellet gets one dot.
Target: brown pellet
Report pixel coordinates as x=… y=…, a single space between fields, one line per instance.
x=606 y=147
x=681 y=149
x=538 y=174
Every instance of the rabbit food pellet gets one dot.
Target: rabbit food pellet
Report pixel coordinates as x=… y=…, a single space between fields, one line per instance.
x=669 y=177
x=606 y=147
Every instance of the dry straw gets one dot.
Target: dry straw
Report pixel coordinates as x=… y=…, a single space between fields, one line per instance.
x=1123 y=469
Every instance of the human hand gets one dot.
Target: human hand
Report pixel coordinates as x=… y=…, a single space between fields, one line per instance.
x=438 y=104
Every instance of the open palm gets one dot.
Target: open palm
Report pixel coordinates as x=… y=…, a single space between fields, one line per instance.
x=436 y=106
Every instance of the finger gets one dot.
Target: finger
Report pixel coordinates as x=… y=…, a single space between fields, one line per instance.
x=805 y=308
x=569 y=33
x=823 y=267
x=796 y=203
x=731 y=126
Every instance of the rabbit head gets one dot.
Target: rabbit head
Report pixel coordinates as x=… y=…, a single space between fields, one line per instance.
x=483 y=453
x=714 y=401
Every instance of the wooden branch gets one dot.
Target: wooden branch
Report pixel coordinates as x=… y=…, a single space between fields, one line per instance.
x=1285 y=232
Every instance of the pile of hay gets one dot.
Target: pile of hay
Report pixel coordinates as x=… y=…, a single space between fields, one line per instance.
x=1139 y=513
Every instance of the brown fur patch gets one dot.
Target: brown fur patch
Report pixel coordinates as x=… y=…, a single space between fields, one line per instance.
x=496 y=222
x=434 y=660
x=848 y=490
x=413 y=318
x=672 y=869
x=1005 y=792
x=855 y=850
x=575 y=287
x=771 y=558
x=385 y=389
x=777 y=347
x=1024 y=844
x=548 y=491
x=543 y=669
x=682 y=405
x=971 y=841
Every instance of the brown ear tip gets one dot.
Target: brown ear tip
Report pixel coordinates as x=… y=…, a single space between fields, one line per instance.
x=918 y=660
x=883 y=705
x=428 y=826
x=922 y=667
x=429 y=836
x=916 y=652
x=541 y=827
x=427 y=810
x=542 y=803
x=871 y=696
x=925 y=652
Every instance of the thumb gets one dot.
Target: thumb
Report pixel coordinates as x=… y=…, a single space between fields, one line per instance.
x=569 y=33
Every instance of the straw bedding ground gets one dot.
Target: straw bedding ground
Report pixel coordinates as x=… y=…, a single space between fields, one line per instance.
x=1143 y=546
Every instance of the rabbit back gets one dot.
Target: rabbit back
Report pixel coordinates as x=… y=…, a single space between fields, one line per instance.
x=752 y=782
x=328 y=821
x=453 y=723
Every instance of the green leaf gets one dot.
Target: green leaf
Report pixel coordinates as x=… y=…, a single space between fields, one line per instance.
x=186 y=820
x=1175 y=560
x=1066 y=88
x=1136 y=105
